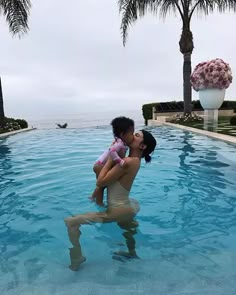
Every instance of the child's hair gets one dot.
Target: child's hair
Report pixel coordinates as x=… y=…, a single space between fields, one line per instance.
x=121 y=125
x=150 y=142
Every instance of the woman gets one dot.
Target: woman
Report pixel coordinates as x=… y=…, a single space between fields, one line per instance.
x=121 y=208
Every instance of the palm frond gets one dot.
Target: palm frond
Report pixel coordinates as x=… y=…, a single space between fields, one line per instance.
x=168 y=5
x=208 y=6
x=16 y=13
x=131 y=10
x=224 y=5
x=128 y=8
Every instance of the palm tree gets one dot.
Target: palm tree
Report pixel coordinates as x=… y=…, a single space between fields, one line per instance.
x=132 y=9
x=16 y=14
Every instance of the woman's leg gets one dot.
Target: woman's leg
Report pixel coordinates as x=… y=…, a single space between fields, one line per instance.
x=73 y=228
x=76 y=256
x=130 y=229
x=129 y=226
x=124 y=218
x=88 y=218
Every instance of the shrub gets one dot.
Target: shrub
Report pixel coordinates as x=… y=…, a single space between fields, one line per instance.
x=23 y=124
x=147 y=111
x=10 y=124
x=186 y=118
x=233 y=120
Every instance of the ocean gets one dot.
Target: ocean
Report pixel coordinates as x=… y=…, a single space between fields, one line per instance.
x=83 y=120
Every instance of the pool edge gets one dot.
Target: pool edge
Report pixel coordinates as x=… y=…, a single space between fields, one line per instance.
x=3 y=135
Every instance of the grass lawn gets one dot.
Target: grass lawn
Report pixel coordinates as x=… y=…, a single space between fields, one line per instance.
x=223 y=126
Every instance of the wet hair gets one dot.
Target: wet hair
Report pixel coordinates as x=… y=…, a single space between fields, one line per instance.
x=121 y=125
x=150 y=142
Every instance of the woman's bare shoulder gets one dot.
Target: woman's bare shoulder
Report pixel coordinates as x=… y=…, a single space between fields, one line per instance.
x=132 y=161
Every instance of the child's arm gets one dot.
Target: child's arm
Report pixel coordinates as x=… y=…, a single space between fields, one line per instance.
x=114 y=149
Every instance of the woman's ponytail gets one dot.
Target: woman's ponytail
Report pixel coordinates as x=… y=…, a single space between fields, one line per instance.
x=150 y=143
x=147 y=158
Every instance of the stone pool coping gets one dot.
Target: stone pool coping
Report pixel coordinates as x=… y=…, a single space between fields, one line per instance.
x=6 y=134
x=219 y=136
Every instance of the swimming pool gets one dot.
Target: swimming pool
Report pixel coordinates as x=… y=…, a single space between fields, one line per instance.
x=186 y=238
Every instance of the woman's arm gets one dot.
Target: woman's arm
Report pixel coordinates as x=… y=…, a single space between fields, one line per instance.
x=110 y=173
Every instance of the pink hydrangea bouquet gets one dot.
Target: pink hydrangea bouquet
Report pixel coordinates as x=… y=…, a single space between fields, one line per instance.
x=211 y=74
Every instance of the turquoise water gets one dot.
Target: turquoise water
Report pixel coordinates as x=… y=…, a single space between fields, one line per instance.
x=186 y=238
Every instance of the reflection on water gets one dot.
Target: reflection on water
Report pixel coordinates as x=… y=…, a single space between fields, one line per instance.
x=195 y=213
x=187 y=223
x=5 y=162
x=211 y=120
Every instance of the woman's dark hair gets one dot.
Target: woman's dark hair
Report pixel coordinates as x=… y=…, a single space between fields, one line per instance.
x=150 y=142
x=121 y=125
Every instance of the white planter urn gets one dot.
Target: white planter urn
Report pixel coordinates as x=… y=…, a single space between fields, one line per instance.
x=211 y=99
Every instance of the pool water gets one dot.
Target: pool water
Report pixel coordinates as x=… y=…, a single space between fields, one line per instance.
x=186 y=239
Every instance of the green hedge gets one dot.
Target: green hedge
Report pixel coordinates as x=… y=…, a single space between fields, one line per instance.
x=11 y=124
x=233 y=121
x=147 y=111
x=23 y=124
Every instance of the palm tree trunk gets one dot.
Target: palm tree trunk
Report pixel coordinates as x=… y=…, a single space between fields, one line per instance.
x=186 y=48
x=187 y=85
x=1 y=102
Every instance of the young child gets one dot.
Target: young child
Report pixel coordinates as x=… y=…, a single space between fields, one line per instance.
x=123 y=129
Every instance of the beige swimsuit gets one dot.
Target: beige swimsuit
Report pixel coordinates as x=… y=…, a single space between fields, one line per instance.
x=118 y=196
x=120 y=207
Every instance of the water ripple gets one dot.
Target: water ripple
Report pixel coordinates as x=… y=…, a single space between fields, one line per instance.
x=187 y=218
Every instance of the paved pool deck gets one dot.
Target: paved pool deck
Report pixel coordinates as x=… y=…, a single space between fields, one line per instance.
x=6 y=134
x=219 y=136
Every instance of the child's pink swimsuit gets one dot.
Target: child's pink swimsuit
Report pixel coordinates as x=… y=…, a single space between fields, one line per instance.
x=118 y=146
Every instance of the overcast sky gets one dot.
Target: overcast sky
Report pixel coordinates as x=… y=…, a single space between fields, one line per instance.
x=72 y=60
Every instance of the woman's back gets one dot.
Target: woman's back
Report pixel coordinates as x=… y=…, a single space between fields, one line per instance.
x=132 y=165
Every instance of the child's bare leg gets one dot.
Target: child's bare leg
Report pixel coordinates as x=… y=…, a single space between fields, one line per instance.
x=97 y=193
x=97 y=196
